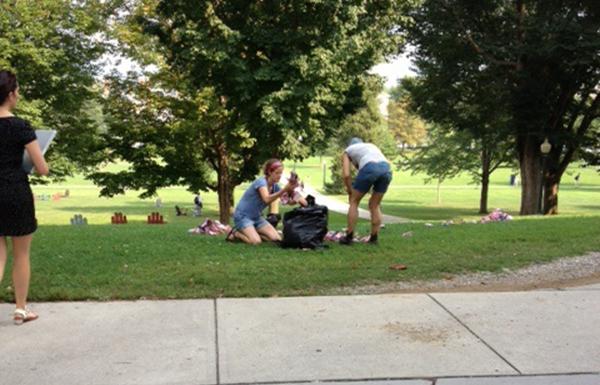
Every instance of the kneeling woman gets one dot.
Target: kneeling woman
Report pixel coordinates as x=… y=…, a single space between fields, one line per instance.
x=249 y=224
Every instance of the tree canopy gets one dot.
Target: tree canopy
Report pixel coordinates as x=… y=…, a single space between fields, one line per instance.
x=534 y=63
x=408 y=128
x=247 y=81
x=54 y=47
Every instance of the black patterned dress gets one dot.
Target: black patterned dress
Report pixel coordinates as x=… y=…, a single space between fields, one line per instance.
x=17 y=212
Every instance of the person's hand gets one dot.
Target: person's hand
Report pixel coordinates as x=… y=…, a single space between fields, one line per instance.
x=289 y=188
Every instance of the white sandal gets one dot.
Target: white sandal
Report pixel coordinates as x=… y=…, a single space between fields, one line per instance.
x=21 y=316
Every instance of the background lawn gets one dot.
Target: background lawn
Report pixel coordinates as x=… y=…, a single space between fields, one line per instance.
x=103 y=261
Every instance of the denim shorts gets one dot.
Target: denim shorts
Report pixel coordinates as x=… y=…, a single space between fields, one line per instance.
x=241 y=222
x=375 y=174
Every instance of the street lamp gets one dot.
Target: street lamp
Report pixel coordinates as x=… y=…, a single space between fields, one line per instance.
x=545 y=148
x=299 y=140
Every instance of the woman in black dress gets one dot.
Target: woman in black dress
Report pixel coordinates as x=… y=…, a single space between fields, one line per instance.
x=17 y=212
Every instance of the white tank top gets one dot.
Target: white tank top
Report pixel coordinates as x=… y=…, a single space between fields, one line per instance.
x=362 y=153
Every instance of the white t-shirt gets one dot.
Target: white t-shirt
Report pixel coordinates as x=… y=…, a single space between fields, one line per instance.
x=362 y=153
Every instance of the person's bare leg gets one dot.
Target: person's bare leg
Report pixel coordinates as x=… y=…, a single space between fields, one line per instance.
x=353 y=210
x=3 y=256
x=269 y=233
x=375 y=209
x=248 y=235
x=238 y=235
x=352 y=216
x=21 y=269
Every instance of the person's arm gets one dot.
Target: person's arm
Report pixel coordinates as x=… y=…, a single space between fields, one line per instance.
x=346 y=175
x=35 y=153
x=274 y=207
x=302 y=201
x=270 y=198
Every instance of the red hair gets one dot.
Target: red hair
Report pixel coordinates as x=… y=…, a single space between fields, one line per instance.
x=272 y=165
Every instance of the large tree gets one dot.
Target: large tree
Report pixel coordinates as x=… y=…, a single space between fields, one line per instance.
x=263 y=74
x=541 y=65
x=54 y=46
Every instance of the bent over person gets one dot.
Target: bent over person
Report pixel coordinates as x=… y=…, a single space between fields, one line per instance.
x=373 y=171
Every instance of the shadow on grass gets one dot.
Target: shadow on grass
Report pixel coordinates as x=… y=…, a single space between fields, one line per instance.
x=592 y=188
x=589 y=207
x=418 y=212
x=131 y=207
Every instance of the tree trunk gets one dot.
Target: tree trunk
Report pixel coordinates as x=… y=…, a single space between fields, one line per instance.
x=551 y=197
x=224 y=188
x=530 y=163
x=485 y=182
x=553 y=174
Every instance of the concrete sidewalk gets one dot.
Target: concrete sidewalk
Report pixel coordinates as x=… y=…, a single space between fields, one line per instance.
x=549 y=337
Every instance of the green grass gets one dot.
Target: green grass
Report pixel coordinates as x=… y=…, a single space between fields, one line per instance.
x=105 y=262
x=102 y=261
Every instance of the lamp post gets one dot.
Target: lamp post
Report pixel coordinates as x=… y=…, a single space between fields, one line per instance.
x=324 y=164
x=545 y=148
x=294 y=168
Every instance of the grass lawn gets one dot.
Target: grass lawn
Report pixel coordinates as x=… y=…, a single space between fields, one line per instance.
x=102 y=261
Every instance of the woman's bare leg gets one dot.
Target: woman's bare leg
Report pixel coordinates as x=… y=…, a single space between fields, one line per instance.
x=375 y=208
x=355 y=199
x=3 y=256
x=248 y=235
x=21 y=268
x=269 y=232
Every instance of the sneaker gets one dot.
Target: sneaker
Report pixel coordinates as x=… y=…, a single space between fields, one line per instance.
x=347 y=240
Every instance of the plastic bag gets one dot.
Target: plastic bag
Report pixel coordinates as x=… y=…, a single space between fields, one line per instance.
x=305 y=227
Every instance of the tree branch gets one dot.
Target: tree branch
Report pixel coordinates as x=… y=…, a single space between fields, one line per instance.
x=476 y=47
x=588 y=118
x=495 y=166
x=566 y=95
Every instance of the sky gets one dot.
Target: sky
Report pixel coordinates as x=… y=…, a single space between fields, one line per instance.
x=395 y=69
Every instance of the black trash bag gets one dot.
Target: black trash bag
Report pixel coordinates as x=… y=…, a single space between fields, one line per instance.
x=305 y=227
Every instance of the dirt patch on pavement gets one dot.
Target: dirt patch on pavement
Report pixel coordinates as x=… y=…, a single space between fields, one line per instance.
x=418 y=333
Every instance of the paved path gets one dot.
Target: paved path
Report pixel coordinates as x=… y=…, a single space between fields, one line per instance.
x=342 y=207
x=548 y=337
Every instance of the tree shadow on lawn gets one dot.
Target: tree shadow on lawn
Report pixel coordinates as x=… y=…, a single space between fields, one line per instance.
x=134 y=208
x=589 y=207
x=579 y=188
x=421 y=212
